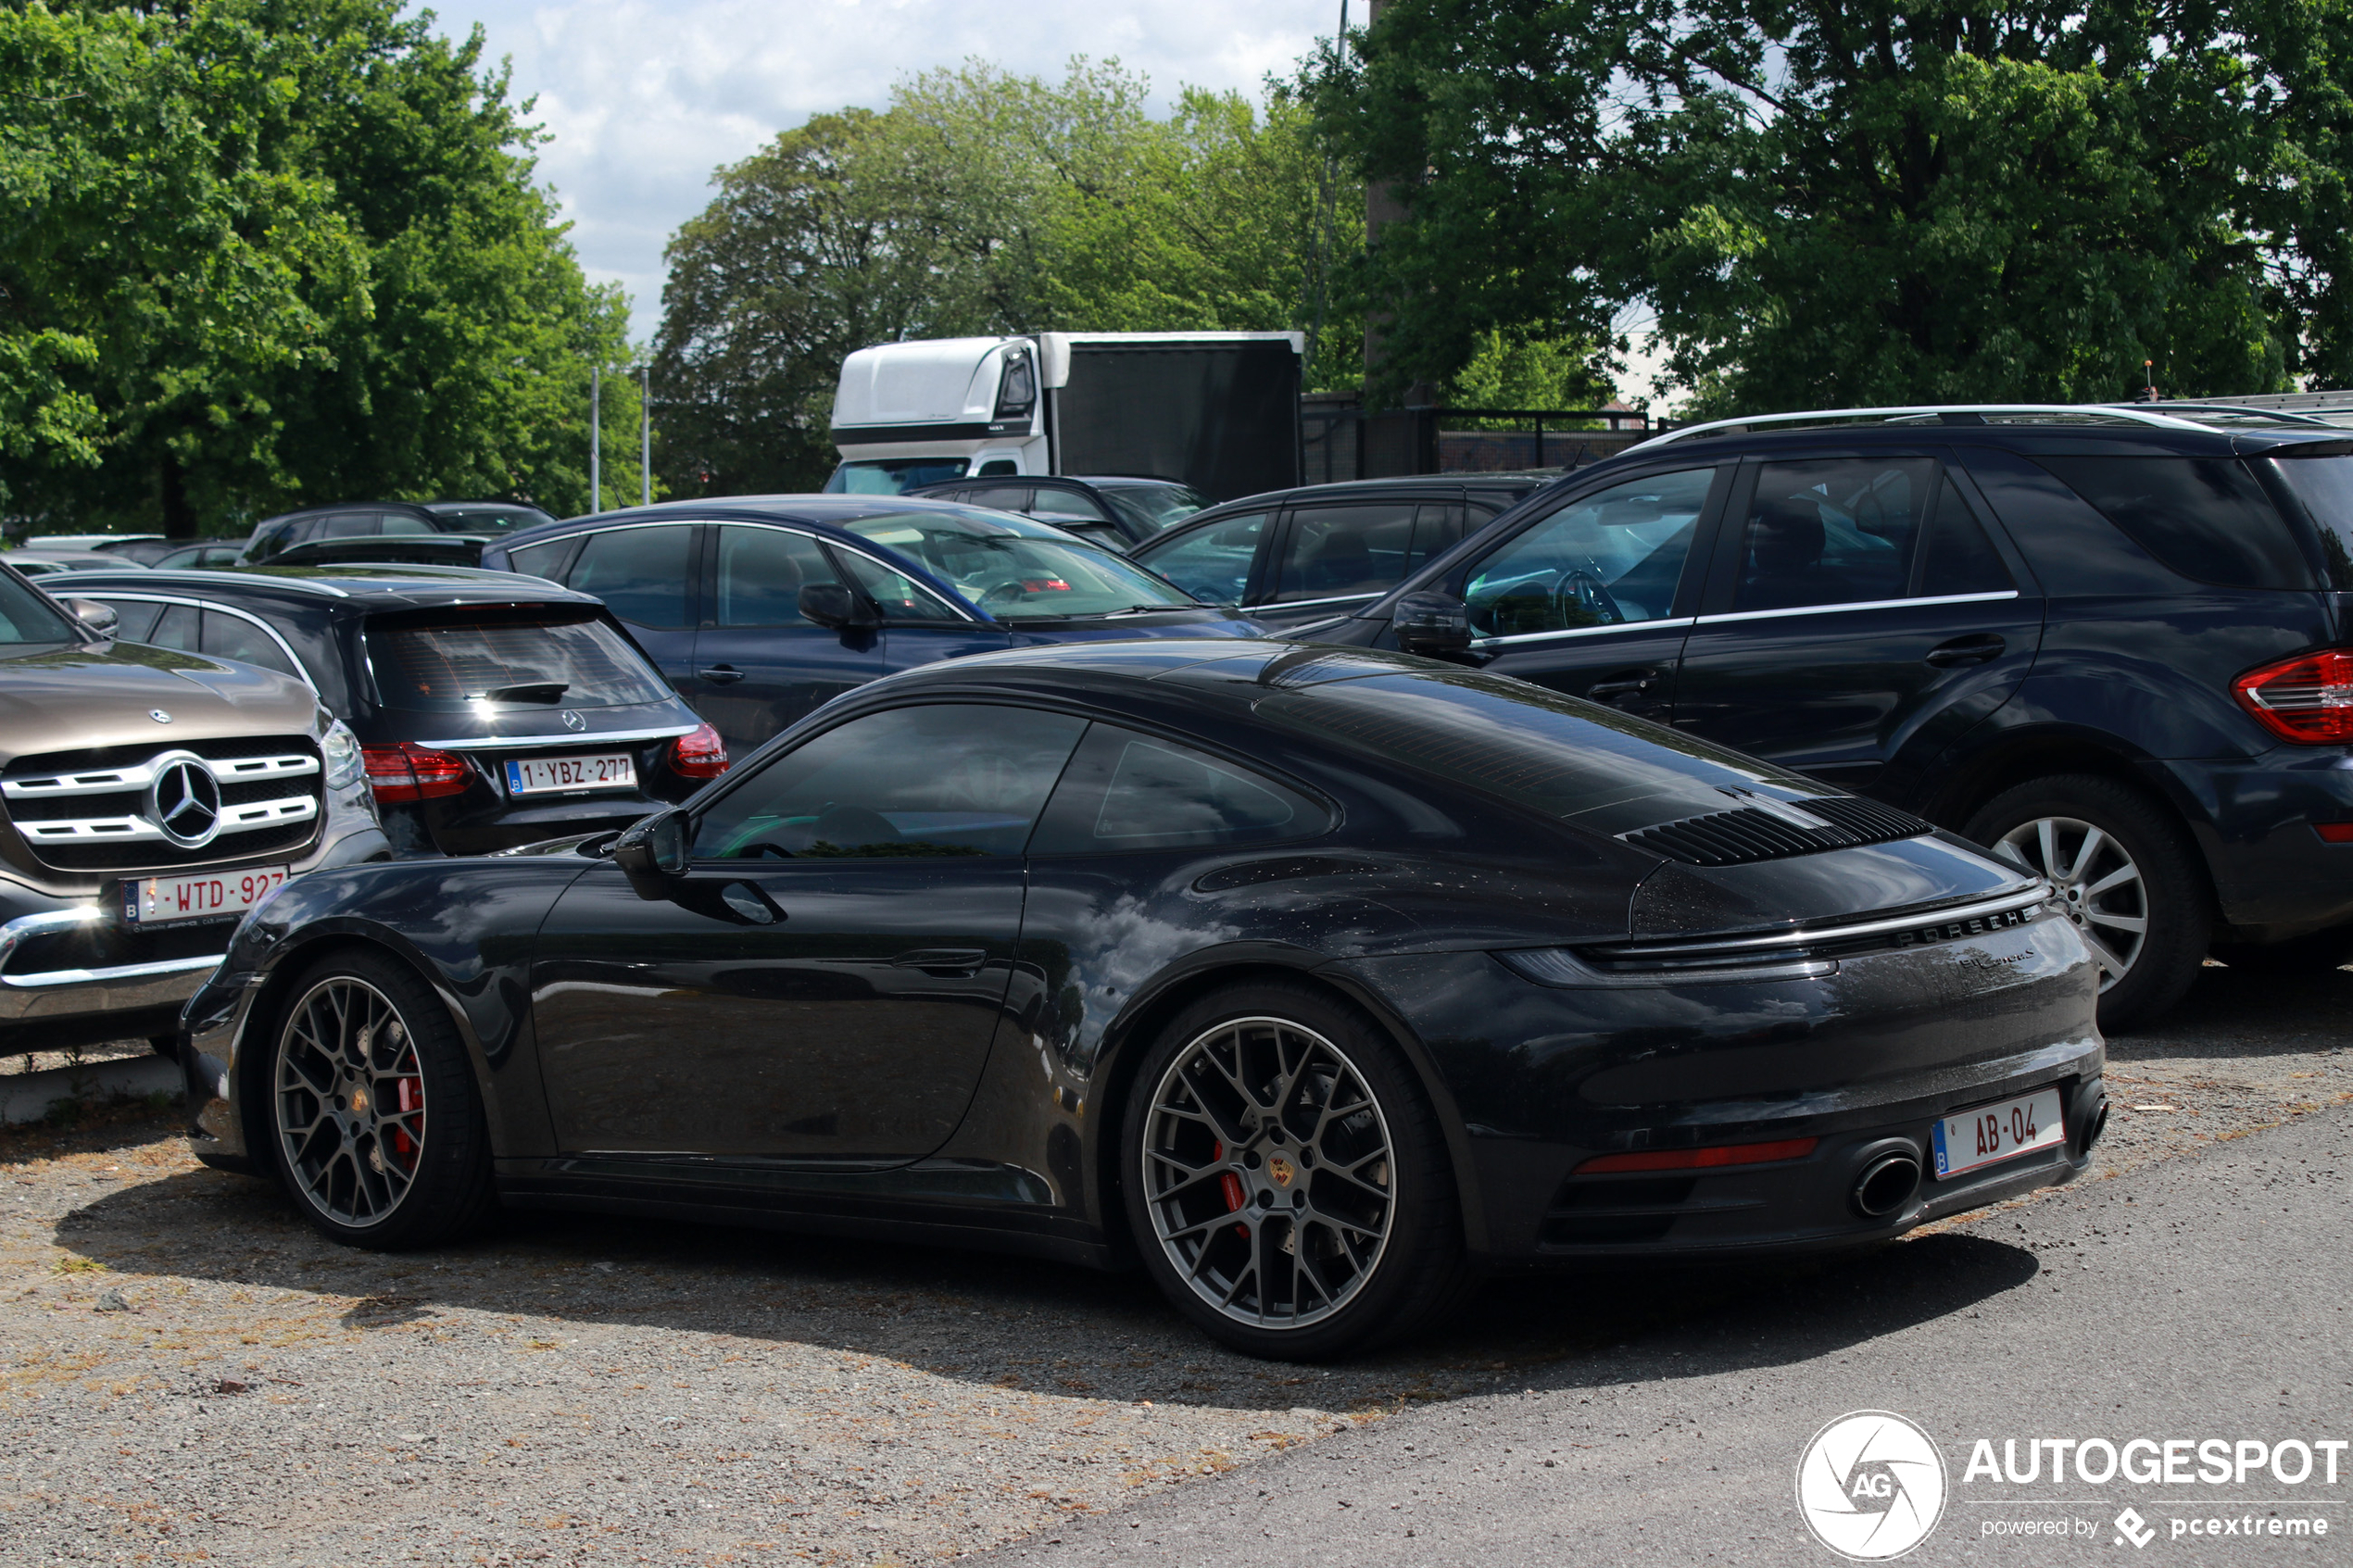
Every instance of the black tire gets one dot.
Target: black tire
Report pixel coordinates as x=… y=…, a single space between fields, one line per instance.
x=374 y=1121
x=2166 y=894
x=1202 y=1131
x=2317 y=953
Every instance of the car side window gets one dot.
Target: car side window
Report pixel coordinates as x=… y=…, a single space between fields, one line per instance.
x=1213 y=563
x=1959 y=558
x=231 y=636
x=135 y=622
x=542 y=560
x=639 y=572
x=1126 y=792
x=762 y=572
x=1005 y=498
x=1054 y=505
x=344 y=526
x=903 y=600
x=1609 y=558
x=942 y=779
x=1333 y=551
x=1831 y=531
x=268 y=541
x=394 y=522
x=175 y=628
x=1438 y=527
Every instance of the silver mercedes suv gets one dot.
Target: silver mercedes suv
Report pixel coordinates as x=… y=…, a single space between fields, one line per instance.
x=148 y=799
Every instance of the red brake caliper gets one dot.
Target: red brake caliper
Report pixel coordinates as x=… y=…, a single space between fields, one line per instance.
x=412 y=1095
x=1231 y=1186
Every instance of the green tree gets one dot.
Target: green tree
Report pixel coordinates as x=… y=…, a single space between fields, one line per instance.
x=1868 y=202
x=258 y=252
x=982 y=202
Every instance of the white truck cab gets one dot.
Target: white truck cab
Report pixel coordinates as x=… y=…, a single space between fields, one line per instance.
x=1216 y=410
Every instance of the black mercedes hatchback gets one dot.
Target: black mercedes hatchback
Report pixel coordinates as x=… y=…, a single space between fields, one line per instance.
x=492 y=710
x=2114 y=646
x=1322 y=981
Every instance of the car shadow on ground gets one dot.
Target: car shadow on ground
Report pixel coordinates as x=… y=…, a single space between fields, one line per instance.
x=2246 y=1012
x=1016 y=1322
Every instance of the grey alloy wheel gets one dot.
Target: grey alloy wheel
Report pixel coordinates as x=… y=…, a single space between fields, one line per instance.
x=1269 y=1174
x=2100 y=886
x=351 y=1113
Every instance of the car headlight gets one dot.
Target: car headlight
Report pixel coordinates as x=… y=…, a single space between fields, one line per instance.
x=341 y=748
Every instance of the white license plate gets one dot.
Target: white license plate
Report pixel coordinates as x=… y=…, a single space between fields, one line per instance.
x=557 y=775
x=2004 y=1130
x=168 y=900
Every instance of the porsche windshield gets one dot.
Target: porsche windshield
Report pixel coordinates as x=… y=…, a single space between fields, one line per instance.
x=1017 y=570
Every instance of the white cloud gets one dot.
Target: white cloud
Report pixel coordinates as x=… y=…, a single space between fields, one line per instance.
x=644 y=101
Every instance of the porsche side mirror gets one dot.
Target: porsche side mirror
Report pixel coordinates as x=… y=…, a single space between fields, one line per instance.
x=1431 y=625
x=653 y=853
x=99 y=616
x=833 y=606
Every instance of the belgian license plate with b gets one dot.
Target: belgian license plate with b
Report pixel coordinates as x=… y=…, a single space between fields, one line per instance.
x=1987 y=1134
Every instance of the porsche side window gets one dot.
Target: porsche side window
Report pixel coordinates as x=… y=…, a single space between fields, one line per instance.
x=947 y=779
x=1125 y=791
x=1610 y=558
x=1213 y=563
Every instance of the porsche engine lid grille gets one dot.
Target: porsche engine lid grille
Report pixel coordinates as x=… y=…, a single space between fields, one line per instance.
x=1776 y=830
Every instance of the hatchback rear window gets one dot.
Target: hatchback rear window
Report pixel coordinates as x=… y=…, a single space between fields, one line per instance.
x=2206 y=518
x=537 y=661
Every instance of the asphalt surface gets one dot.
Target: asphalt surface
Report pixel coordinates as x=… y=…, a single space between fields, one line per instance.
x=2202 y=1296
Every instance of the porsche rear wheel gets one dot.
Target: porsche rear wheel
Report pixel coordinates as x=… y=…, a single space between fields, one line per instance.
x=374 y=1121
x=1286 y=1178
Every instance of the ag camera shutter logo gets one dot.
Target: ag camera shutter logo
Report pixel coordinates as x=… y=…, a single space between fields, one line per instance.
x=1871 y=1485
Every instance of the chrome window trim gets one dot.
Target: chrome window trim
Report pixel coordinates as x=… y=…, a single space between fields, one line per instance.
x=1327 y=599
x=1858 y=604
x=1515 y=639
x=615 y=737
x=2003 y=904
x=302 y=670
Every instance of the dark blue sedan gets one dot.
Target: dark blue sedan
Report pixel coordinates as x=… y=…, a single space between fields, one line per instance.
x=761 y=608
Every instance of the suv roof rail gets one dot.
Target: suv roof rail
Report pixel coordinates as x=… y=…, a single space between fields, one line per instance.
x=1929 y=413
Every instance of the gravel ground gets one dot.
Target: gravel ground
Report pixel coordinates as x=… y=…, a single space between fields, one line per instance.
x=187 y=1373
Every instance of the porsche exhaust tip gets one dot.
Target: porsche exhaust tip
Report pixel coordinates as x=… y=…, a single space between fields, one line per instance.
x=1886 y=1184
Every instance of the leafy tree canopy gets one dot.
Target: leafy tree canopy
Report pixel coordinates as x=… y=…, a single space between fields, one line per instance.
x=981 y=202
x=257 y=254
x=1866 y=201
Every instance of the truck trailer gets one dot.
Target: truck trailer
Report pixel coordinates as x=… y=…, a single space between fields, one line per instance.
x=1218 y=411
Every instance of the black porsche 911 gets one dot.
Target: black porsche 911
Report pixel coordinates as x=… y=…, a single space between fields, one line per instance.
x=1323 y=981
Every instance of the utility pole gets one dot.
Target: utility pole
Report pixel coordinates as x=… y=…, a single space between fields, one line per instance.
x=595 y=438
x=645 y=435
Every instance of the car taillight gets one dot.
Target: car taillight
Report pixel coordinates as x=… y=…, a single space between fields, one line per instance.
x=1700 y=1159
x=2335 y=833
x=410 y=772
x=702 y=755
x=2308 y=699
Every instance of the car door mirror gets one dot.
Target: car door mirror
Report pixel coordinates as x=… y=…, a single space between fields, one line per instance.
x=1431 y=625
x=832 y=605
x=99 y=616
x=653 y=852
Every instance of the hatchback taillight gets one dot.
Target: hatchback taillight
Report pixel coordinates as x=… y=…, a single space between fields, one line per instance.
x=410 y=772
x=2308 y=699
x=702 y=755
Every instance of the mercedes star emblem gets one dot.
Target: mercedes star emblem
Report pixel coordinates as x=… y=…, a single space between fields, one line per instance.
x=185 y=801
x=159 y=715
x=573 y=721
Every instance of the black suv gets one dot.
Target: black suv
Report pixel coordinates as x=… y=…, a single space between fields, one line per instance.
x=2114 y=646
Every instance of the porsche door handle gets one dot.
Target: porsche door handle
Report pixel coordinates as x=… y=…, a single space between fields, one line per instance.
x=1981 y=649
x=720 y=674
x=945 y=963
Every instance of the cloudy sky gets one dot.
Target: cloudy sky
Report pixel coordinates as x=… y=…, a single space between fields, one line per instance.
x=644 y=100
